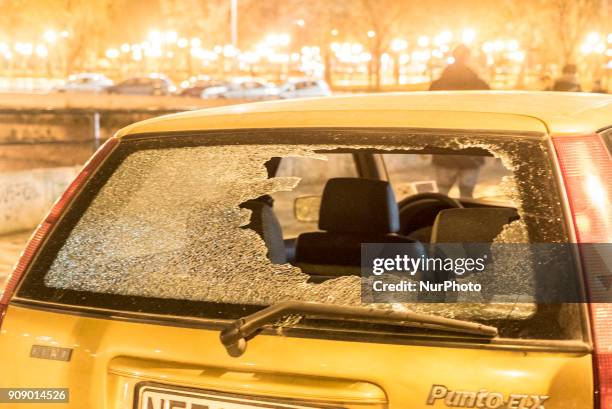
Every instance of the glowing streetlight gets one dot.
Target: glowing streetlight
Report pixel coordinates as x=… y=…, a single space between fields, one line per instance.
x=444 y=37
x=125 y=48
x=423 y=41
x=468 y=35
x=171 y=37
x=300 y=22
x=512 y=45
x=155 y=37
x=50 y=36
x=399 y=44
x=371 y=33
x=334 y=32
x=592 y=38
x=230 y=51
x=518 y=56
x=64 y=34
x=112 y=53
x=41 y=51
x=282 y=40
x=182 y=42
x=24 y=48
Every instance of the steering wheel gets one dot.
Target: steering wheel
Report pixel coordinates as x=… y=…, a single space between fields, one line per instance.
x=440 y=197
x=417 y=212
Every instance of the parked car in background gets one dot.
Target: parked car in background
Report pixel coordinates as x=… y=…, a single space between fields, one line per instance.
x=150 y=85
x=243 y=88
x=304 y=87
x=85 y=83
x=196 y=85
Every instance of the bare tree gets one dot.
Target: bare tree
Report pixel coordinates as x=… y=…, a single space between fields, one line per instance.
x=375 y=23
x=554 y=27
x=572 y=19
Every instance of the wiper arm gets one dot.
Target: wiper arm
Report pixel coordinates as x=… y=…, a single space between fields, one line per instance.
x=235 y=336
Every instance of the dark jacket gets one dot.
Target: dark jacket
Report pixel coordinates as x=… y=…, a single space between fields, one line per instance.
x=457 y=161
x=458 y=77
x=567 y=82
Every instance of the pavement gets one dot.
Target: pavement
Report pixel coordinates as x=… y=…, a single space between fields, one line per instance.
x=11 y=246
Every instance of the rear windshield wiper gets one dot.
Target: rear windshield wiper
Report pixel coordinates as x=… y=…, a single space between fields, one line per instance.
x=235 y=336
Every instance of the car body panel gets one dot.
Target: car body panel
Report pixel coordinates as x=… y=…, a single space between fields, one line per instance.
x=243 y=88
x=110 y=356
x=113 y=353
x=143 y=86
x=304 y=88
x=85 y=83
x=546 y=112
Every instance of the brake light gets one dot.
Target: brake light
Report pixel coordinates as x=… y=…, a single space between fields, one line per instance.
x=49 y=221
x=586 y=168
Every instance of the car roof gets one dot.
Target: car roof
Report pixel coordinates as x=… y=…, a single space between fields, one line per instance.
x=517 y=111
x=302 y=79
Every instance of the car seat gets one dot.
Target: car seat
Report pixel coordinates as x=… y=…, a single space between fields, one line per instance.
x=471 y=225
x=353 y=211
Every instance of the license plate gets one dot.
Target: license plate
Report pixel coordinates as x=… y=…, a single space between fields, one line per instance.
x=162 y=397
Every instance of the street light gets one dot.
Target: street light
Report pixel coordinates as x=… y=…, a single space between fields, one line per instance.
x=41 y=51
x=112 y=53
x=592 y=38
x=468 y=36
x=444 y=37
x=171 y=37
x=50 y=36
x=423 y=41
x=399 y=44
x=155 y=37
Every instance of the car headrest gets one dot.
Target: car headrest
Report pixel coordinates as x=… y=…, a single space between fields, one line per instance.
x=353 y=205
x=472 y=225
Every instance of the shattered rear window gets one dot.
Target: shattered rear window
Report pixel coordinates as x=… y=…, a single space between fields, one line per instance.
x=164 y=221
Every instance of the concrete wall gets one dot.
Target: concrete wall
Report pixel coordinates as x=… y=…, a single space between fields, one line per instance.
x=26 y=196
x=45 y=138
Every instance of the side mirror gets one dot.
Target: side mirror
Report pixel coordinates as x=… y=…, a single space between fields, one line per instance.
x=306 y=208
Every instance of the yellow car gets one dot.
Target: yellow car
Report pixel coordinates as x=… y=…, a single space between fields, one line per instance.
x=212 y=259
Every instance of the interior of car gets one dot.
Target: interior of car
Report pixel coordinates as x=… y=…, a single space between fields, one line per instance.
x=353 y=198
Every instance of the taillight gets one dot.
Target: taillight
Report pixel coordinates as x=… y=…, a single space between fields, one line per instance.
x=586 y=168
x=49 y=221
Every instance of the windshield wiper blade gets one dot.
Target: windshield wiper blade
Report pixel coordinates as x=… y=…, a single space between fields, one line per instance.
x=235 y=336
